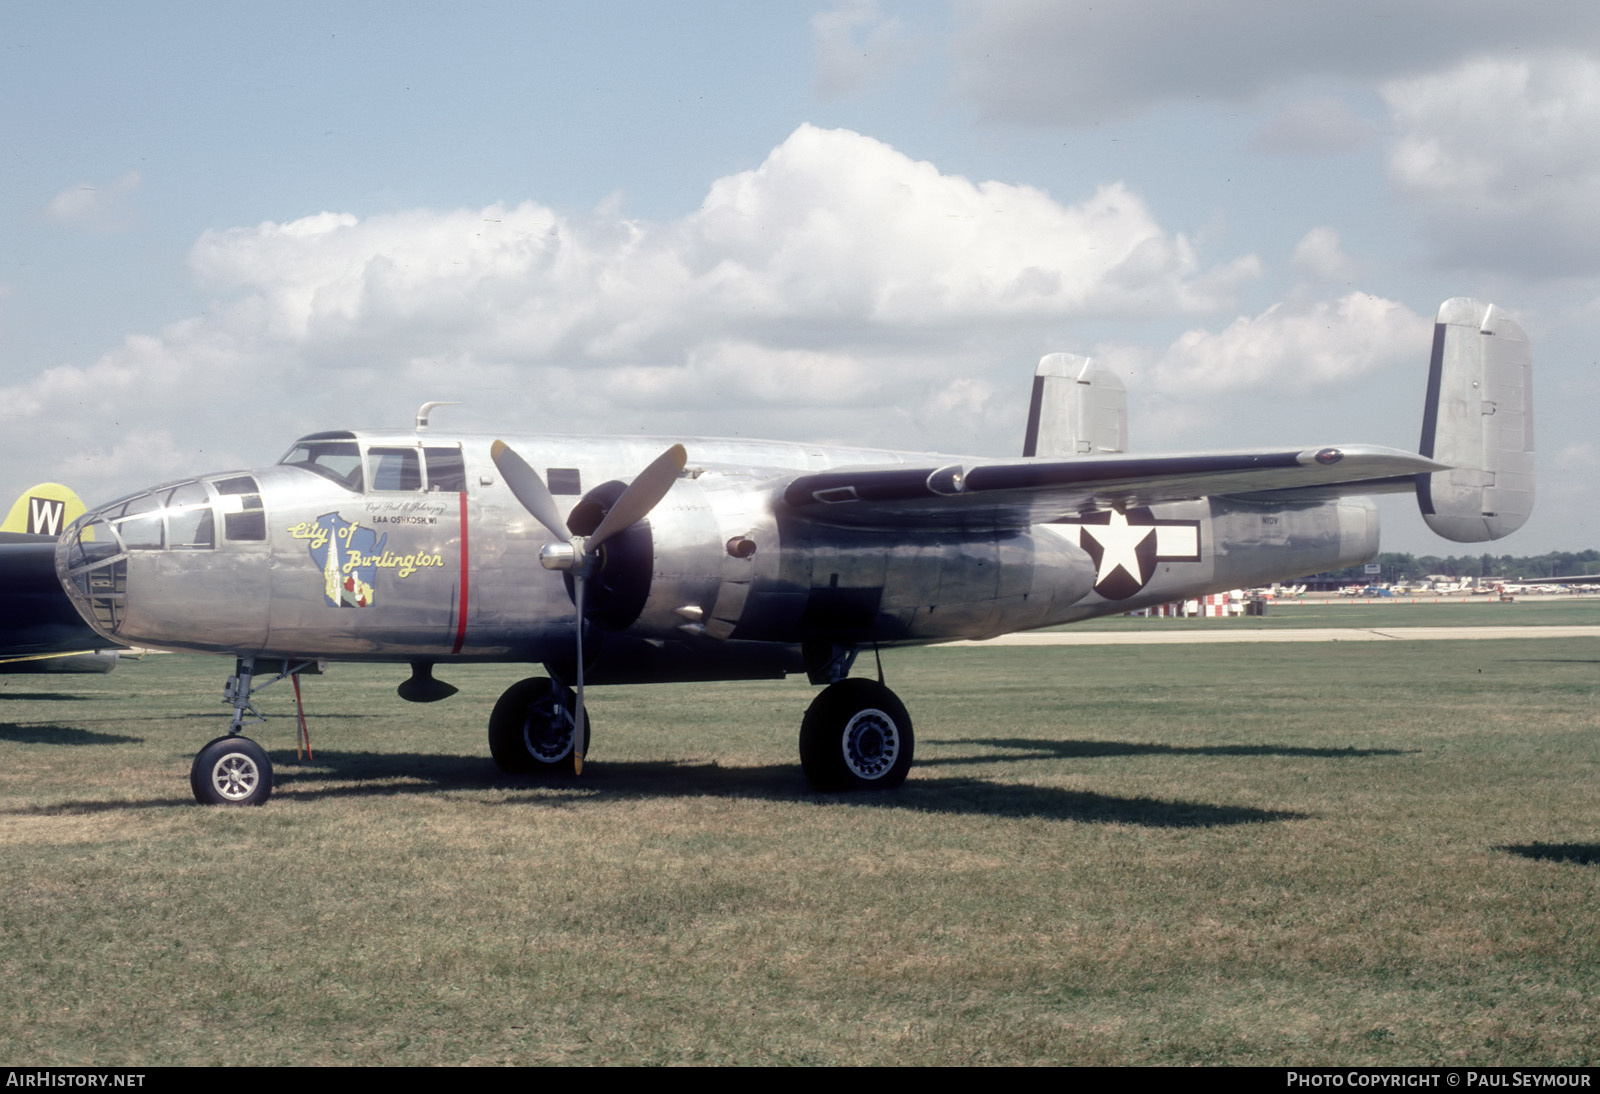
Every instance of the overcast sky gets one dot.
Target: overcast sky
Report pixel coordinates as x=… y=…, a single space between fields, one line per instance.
x=222 y=226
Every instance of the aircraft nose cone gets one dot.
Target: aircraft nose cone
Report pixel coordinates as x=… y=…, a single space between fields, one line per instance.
x=93 y=567
x=180 y=566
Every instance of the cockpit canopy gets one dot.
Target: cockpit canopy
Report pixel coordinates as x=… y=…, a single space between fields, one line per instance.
x=338 y=457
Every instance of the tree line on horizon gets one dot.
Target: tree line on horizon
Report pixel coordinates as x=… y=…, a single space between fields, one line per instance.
x=1398 y=566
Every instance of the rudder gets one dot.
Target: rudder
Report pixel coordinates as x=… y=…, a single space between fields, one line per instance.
x=41 y=512
x=1478 y=418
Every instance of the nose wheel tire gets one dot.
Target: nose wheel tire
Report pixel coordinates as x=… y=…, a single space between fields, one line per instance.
x=231 y=771
x=530 y=729
x=856 y=736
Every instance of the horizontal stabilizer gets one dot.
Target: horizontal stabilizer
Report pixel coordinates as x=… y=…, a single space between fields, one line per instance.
x=1478 y=420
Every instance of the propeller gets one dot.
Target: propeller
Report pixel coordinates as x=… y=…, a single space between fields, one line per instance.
x=578 y=555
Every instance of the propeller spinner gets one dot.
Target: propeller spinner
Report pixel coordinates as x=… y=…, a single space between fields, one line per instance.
x=578 y=554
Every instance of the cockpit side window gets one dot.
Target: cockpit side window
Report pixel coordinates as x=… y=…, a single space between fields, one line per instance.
x=395 y=468
x=446 y=471
x=338 y=461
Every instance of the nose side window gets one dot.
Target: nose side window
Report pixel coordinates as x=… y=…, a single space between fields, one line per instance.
x=191 y=525
x=192 y=528
x=141 y=533
x=140 y=526
x=243 y=518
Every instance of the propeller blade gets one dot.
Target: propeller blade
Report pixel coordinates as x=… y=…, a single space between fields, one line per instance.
x=641 y=496
x=635 y=503
x=577 y=716
x=529 y=489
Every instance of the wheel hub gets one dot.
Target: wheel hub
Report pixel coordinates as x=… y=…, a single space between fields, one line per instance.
x=235 y=776
x=871 y=744
x=548 y=733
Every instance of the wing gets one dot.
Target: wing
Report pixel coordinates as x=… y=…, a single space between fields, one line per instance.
x=36 y=617
x=1022 y=492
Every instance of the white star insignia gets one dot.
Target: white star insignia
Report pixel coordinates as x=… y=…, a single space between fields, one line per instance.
x=1119 y=544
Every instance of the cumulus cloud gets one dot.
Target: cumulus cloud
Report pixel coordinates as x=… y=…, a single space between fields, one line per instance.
x=1502 y=155
x=96 y=208
x=1320 y=256
x=1296 y=347
x=832 y=228
x=1079 y=61
x=839 y=290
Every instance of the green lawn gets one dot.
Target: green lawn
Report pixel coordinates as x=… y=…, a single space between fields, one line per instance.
x=1314 y=854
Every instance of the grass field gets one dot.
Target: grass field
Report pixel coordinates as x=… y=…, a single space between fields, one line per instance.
x=1352 y=853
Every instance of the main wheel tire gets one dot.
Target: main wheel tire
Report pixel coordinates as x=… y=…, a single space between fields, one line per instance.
x=231 y=771
x=856 y=736
x=530 y=729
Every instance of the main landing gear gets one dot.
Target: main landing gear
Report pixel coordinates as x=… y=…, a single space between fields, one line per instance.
x=234 y=770
x=856 y=736
x=531 y=728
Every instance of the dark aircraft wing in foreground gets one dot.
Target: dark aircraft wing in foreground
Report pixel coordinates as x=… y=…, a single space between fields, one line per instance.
x=40 y=630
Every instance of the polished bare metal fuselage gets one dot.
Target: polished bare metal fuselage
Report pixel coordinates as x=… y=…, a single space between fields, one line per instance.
x=731 y=581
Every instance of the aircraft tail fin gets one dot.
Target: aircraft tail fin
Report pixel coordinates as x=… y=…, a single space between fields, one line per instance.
x=41 y=512
x=1079 y=408
x=1478 y=418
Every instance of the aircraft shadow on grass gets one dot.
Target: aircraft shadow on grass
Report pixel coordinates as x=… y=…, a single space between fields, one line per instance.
x=1027 y=748
x=1582 y=854
x=371 y=774
x=61 y=735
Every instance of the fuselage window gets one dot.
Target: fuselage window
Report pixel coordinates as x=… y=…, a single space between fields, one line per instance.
x=564 y=480
x=339 y=461
x=242 y=515
x=446 y=471
x=395 y=468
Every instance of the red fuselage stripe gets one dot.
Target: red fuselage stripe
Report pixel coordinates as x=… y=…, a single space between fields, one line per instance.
x=461 y=616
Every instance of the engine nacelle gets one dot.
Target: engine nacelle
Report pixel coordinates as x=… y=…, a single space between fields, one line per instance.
x=855 y=585
x=723 y=566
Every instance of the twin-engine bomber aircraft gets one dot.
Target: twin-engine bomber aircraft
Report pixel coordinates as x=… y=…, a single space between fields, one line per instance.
x=611 y=561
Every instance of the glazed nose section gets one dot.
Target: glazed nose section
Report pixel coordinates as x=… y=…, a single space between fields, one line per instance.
x=168 y=567
x=92 y=563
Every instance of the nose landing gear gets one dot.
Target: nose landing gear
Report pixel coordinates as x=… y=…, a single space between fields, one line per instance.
x=234 y=770
x=231 y=771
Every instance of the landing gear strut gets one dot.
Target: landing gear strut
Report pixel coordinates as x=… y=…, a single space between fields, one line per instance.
x=234 y=770
x=856 y=736
x=531 y=728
